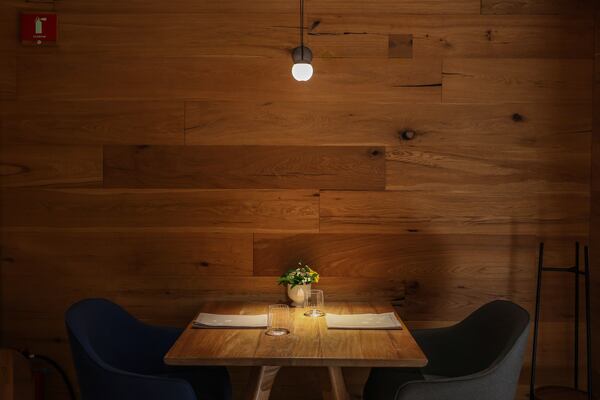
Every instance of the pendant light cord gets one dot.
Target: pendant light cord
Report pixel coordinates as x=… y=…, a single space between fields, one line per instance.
x=302 y=28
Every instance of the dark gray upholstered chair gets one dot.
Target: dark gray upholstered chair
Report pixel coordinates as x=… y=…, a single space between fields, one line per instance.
x=477 y=359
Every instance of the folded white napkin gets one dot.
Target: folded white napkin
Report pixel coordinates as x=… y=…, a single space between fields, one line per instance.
x=205 y=320
x=363 y=321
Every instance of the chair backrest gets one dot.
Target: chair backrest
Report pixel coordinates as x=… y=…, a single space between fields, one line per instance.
x=488 y=335
x=111 y=349
x=481 y=357
x=107 y=333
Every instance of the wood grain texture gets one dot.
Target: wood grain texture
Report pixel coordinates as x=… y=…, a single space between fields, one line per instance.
x=371 y=124
x=517 y=162
x=314 y=346
x=23 y=165
x=445 y=274
x=92 y=123
x=8 y=76
x=342 y=35
x=63 y=253
x=390 y=6
x=351 y=168
x=507 y=171
x=227 y=7
x=514 y=80
x=536 y=6
x=114 y=78
x=400 y=255
x=175 y=34
x=8 y=45
x=463 y=212
x=347 y=44
x=271 y=6
x=8 y=26
x=208 y=210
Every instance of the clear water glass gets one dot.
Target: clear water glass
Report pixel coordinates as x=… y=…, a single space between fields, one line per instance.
x=278 y=323
x=315 y=303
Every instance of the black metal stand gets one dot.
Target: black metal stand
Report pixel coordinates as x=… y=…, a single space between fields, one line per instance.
x=576 y=271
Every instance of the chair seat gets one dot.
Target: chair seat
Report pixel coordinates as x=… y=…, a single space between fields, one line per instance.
x=209 y=383
x=383 y=383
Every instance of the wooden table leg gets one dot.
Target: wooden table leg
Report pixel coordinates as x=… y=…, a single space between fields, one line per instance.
x=338 y=387
x=261 y=382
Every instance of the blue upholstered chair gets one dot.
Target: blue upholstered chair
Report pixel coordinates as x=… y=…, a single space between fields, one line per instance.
x=478 y=358
x=118 y=357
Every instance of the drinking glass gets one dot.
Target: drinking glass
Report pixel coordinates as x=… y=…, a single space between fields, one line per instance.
x=315 y=303
x=279 y=320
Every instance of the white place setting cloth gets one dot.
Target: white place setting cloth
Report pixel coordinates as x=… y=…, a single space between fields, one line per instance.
x=363 y=321
x=205 y=320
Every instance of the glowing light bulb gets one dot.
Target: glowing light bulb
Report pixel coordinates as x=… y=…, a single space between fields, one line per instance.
x=302 y=71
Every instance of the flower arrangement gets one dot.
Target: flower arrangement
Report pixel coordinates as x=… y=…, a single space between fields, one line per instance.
x=303 y=275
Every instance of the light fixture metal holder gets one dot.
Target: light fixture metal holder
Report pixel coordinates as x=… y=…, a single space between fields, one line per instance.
x=302 y=54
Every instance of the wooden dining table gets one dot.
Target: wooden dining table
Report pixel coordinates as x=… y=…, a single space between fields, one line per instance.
x=309 y=344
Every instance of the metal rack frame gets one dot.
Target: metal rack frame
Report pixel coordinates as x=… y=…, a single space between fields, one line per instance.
x=577 y=272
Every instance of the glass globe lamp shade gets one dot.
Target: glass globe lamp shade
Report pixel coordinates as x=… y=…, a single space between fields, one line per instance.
x=302 y=71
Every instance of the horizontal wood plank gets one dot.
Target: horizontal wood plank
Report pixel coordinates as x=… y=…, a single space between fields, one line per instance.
x=175 y=34
x=134 y=78
x=390 y=6
x=400 y=255
x=347 y=35
x=516 y=80
x=536 y=6
x=204 y=210
x=352 y=168
x=33 y=165
x=541 y=213
x=371 y=124
x=507 y=171
x=93 y=122
x=233 y=7
x=521 y=161
x=111 y=254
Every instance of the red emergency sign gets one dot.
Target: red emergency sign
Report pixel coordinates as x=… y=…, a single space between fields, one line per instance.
x=39 y=28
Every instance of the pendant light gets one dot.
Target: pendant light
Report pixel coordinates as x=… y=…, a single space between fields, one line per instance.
x=302 y=69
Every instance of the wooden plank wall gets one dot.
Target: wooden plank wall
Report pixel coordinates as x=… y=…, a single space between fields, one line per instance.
x=162 y=155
